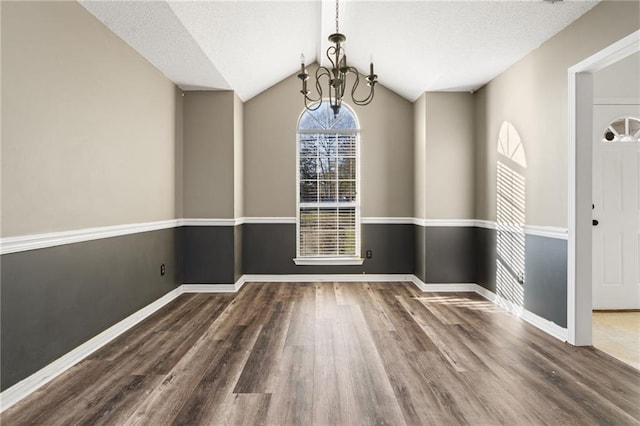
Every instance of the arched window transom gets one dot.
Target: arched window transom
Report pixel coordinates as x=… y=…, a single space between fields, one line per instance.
x=626 y=129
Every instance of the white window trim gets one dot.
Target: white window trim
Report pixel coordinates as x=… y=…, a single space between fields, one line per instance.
x=337 y=260
x=333 y=260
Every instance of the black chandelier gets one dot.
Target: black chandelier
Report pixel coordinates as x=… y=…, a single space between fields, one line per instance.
x=336 y=76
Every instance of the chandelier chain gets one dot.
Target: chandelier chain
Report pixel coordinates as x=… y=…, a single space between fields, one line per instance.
x=337 y=12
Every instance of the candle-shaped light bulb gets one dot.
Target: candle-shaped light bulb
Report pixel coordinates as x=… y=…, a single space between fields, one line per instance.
x=371 y=68
x=302 y=58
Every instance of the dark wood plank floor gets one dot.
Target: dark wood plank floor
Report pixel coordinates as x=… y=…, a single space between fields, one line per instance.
x=336 y=353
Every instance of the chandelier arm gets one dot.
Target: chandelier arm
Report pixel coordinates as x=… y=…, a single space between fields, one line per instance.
x=360 y=102
x=332 y=50
x=308 y=98
x=322 y=72
x=311 y=108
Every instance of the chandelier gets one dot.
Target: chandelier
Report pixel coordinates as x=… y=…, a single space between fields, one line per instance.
x=335 y=77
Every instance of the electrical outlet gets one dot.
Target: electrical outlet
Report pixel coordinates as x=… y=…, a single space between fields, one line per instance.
x=163 y=270
x=369 y=254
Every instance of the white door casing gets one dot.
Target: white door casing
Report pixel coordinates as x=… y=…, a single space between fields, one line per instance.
x=616 y=200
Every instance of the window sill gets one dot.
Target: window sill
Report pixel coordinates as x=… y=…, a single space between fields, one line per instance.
x=328 y=260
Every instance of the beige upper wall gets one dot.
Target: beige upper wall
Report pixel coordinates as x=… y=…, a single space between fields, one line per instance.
x=449 y=156
x=238 y=159
x=179 y=154
x=419 y=156
x=270 y=121
x=618 y=81
x=532 y=95
x=88 y=125
x=209 y=154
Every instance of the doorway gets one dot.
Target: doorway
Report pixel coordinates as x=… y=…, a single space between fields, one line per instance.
x=580 y=200
x=616 y=233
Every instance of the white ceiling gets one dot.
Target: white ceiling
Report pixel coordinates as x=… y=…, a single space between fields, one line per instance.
x=417 y=46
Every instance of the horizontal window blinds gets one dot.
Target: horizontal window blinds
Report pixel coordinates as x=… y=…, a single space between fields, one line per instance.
x=327 y=208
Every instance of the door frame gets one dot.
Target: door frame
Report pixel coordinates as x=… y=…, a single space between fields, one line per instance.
x=580 y=177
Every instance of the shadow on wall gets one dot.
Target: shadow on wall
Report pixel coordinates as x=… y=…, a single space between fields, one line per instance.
x=511 y=215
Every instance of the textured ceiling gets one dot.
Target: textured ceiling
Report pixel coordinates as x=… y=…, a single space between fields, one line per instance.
x=417 y=46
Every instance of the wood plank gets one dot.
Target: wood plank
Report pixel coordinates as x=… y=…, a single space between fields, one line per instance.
x=292 y=398
x=332 y=387
x=244 y=409
x=373 y=399
x=163 y=404
x=260 y=372
x=206 y=402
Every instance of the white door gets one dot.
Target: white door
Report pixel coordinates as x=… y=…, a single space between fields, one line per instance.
x=616 y=211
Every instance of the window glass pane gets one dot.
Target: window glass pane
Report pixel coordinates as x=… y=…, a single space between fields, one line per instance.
x=327 y=190
x=347 y=243
x=327 y=168
x=308 y=168
x=634 y=127
x=308 y=241
x=309 y=217
x=308 y=191
x=327 y=220
x=346 y=218
x=344 y=120
x=323 y=118
x=346 y=168
x=347 y=145
x=308 y=145
x=327 y=243
x=618 y=126
x=327 y=146
x=346 y=190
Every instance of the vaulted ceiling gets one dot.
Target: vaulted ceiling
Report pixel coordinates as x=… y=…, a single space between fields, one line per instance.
x=417 y=46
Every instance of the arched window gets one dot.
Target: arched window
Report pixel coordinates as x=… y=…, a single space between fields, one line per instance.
x=625 y=129
x=328 y=216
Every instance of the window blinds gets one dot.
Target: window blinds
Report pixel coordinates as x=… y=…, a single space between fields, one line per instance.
x=327 y=199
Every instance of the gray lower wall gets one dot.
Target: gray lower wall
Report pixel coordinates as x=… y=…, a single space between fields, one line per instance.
x=545 y=289
x=54 y=299
x=209 y=254
x=485 y=249
x=468 y=255
x=445 y=254
x=270 y=249
x=545 y=286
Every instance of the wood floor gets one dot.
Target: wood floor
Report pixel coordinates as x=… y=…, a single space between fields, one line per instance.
x=336 y=353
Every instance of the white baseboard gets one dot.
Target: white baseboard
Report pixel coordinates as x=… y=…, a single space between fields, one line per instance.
x=25 y=387
x=43 y=376
x=443 y=288
x=208 y=288
x=327 y=278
